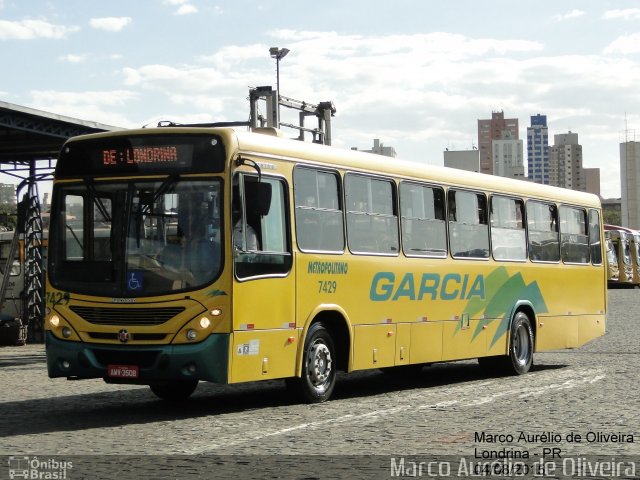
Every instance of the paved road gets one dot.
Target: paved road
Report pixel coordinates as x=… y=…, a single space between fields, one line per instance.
x=448 y=409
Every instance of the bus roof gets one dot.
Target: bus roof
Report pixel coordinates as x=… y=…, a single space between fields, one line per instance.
x=262 y=144
x=249 y=142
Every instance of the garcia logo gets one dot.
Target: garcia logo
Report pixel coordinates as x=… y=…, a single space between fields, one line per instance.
x=451 y=286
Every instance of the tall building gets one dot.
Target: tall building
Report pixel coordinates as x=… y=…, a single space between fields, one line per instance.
x=630 y=181
x=538 y=149
x=565 y=165
x=507 y=156
x=7 y=194
x=591 y=181
x=489 y=130
x=462 y=160
x=565 y=159
x=380 y=149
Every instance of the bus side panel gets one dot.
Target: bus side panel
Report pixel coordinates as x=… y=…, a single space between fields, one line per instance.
x=591 y=327
x=374 y=346
x=426 y=342
x=463 y=338
x=556 y=333
x=500 y=344
x=571 y=294
x=403 y=343
x=263 y=354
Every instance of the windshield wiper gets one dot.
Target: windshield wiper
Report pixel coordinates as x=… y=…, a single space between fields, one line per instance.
x=73 y=232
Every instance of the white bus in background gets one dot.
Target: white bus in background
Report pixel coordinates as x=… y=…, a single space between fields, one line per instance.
x=12 y=306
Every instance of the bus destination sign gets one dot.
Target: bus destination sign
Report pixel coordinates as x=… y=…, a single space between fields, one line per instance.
x=167 y=154
x=141 y=154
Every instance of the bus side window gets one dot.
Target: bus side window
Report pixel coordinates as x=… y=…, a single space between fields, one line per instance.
x=595 y=242
x=319 y=218
x=372 y=218
x=508 y=239
x=542 y=225
x=424 y=231
x=573 y=234
x=468 y=228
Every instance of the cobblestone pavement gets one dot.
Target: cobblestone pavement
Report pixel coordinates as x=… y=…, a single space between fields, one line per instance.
x=447 y=409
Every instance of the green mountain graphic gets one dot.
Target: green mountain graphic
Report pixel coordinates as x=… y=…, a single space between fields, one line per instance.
x=503 y=292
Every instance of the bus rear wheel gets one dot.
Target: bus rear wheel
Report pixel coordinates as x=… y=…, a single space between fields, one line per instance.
x=521 y=345
x=520 y=356
x=174 y=391
x=318 y=377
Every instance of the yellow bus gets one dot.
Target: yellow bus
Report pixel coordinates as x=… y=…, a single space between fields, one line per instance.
x=626 y=242
x=12 y=306
x=613 y=271
x=622 y=246
x=635 y=256
x=236 y=256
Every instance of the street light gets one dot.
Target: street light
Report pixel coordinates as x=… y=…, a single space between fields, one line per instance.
x=278 y=54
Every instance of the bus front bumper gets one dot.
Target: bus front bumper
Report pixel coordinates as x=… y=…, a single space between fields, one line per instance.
x=206 y=360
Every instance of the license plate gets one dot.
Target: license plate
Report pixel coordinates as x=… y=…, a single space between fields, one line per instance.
x=123 y=371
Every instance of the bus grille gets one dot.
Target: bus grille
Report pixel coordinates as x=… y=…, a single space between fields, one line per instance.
x=127 y=316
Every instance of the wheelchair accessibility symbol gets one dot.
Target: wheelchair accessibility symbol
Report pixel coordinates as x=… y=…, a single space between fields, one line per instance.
x=134 y=280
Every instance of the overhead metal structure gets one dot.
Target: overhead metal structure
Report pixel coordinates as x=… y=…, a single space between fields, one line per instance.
x=323 y=111
x=30 y=140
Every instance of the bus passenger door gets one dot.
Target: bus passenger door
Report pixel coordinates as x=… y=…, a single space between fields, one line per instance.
x=264 y=330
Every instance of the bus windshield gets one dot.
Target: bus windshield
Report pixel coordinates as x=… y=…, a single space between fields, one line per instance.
x=136 y=238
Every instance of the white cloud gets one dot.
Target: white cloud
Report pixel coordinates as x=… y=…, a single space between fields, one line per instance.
x=32 y=29
x=110 y=24
x=568 y=15
x=73 y=58
x=627 y=14
x=186 y=9
x=626 y=44
x=88 y=105
x=418 y=93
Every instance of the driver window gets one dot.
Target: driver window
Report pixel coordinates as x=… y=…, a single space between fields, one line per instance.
x=260 y=226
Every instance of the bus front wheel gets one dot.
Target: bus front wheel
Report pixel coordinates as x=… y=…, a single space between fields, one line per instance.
x=174 y=391
x=318 y=366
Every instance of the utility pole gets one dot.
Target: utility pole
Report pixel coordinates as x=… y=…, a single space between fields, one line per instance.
x=278 y=54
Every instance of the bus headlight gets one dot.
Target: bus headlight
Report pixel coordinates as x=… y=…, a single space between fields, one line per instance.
x=66 y=332
x=204 y=323
x=54 y=321
x=192 y=335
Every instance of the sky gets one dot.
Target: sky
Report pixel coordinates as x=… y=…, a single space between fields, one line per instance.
x=417 y=74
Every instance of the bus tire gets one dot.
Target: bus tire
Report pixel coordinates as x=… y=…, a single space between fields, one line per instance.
x=318 y=377
x=174 y=391
x=520 y=356
x=521 y=345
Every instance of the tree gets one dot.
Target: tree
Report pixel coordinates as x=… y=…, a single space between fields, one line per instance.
x=611 y=217
x=8 y=216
